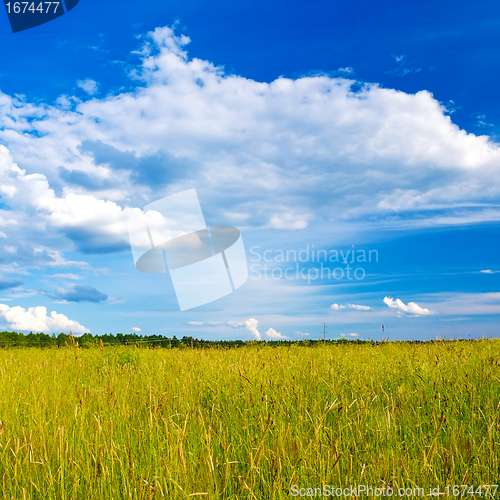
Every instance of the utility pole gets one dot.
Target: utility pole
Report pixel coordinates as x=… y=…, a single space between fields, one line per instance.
x=324 y=333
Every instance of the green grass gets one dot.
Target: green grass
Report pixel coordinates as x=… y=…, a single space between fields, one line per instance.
x=136 y=423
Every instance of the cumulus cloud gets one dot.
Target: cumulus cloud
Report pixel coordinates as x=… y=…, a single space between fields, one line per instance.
x=272 y=334
x=94 y=225
x=337 y=307
x=136 y=329
x=410 y=308
x=81 y=293
x=251 y=325
x=88 y=85
x=35 y=319
x=294 y=151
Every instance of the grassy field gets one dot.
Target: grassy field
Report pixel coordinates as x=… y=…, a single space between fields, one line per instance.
x=248 y=423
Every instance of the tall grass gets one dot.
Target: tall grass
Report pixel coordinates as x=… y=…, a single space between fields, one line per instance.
x=133 y=423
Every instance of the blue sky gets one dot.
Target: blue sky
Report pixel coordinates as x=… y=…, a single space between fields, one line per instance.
x=334 y=126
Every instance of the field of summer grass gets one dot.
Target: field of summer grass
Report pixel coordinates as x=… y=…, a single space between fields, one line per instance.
x=249 y=423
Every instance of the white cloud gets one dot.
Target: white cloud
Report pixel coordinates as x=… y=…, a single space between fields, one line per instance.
x=293 y=150
x=251 y=325
x=272 y=334
x=57 y=259
x=290 y=151
x=136 y=329
x=488 y=271
x=357 y=307
x=3 y=222
x=412 y=308
x=35 y=319
x=8 y=222
x=88 y=85
x=337 y=307
x=90 y=221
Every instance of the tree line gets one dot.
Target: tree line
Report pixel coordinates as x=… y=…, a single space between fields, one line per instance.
x=15 y=339
x=87 y=340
